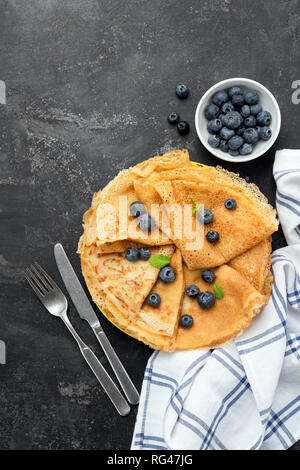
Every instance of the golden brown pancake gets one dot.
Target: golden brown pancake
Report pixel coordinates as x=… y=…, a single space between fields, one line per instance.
x=108 y=220
x=164 y=318
x=243 y=254
x=89 y=266
x=255 y=265
x=227 y=318
x=239 y=229
x=126 y=284
x=154 y=340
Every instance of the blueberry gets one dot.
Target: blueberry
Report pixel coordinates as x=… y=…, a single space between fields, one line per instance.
x=154 y=300
x=245 y=111
x=183 y=127
x=173 y=117
x=167 y=274
x=205 y=217
x=234 y=153
x=235 y=142
x=264 y=118
x=251 y=135
x=212 y=236
x=250 y=121
x=230 y=204
x=246 y=149
x=227 y=107
x=144 y=253
x=258 y=128
x=220 y=98
x=226 y=133
x=255 y=109
x=208 y=276
x=182 y=91
x=238 y=101
x=206 y=299
x=232 y=120
x=186 y=321
x=214 y=126
x=235 y=90
x=240 y=131
x=214 y=141
x=251 y=98
x=193 y=291
x=146 y=222
x=224 y=146
x=211 y=112
x=137 y=208
x=265 y=133
x=221 y=117
x=132 y=253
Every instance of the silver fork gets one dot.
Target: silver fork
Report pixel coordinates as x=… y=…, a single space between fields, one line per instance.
x=56 y=303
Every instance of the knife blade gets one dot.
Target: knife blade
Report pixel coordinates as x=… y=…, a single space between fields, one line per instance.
x=87 y=313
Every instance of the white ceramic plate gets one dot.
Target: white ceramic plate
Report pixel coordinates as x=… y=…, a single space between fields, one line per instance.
x=268 y=103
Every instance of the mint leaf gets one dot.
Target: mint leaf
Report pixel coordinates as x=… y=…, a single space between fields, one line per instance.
x=218 y=291
x=195 y=207
x=159 y=261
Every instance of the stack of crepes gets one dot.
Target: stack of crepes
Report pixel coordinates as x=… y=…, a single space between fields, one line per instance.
x=240 y=259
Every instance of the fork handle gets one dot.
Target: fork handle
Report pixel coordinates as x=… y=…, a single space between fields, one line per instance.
x=104 y=379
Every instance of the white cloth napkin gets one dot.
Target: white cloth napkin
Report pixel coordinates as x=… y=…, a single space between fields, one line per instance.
x=245 y=395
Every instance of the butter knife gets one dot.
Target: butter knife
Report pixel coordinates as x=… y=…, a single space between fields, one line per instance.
x=87 y=313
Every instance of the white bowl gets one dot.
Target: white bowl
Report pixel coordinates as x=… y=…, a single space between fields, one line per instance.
x=268 y=103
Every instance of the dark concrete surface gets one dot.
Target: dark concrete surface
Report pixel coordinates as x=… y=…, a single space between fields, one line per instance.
x=89 y=85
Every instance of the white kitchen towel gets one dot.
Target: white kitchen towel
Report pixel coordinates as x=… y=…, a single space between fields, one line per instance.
x=245 y=395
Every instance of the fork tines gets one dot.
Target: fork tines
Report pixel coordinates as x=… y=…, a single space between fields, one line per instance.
x=39 y=280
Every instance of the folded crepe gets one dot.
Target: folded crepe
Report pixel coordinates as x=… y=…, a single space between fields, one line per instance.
x=119 y=316
x=142 y=333
x=163 y=319
x=108 y=223
x=126 y=284
x=227 y=318
x=255 y=266
x=250 y=223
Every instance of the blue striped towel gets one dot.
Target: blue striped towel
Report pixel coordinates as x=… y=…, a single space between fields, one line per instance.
x=245 y=395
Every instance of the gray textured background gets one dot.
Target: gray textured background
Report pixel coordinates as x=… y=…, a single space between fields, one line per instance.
x=89 y=86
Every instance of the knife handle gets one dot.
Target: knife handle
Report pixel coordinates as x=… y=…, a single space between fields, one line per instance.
x=126 y=383
x=104 y=379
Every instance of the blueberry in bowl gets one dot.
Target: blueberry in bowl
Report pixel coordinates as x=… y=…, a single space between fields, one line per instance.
x=230 y=108
x=214 y=126
x=250 y=121
x=214 y=140
x=235 y=142
x=251 y=135
x=233 y=120
x=211 y=112
x=265 y=133
x=227 y=107
x=220 y=98
x=226 y=133
x=238 y=101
